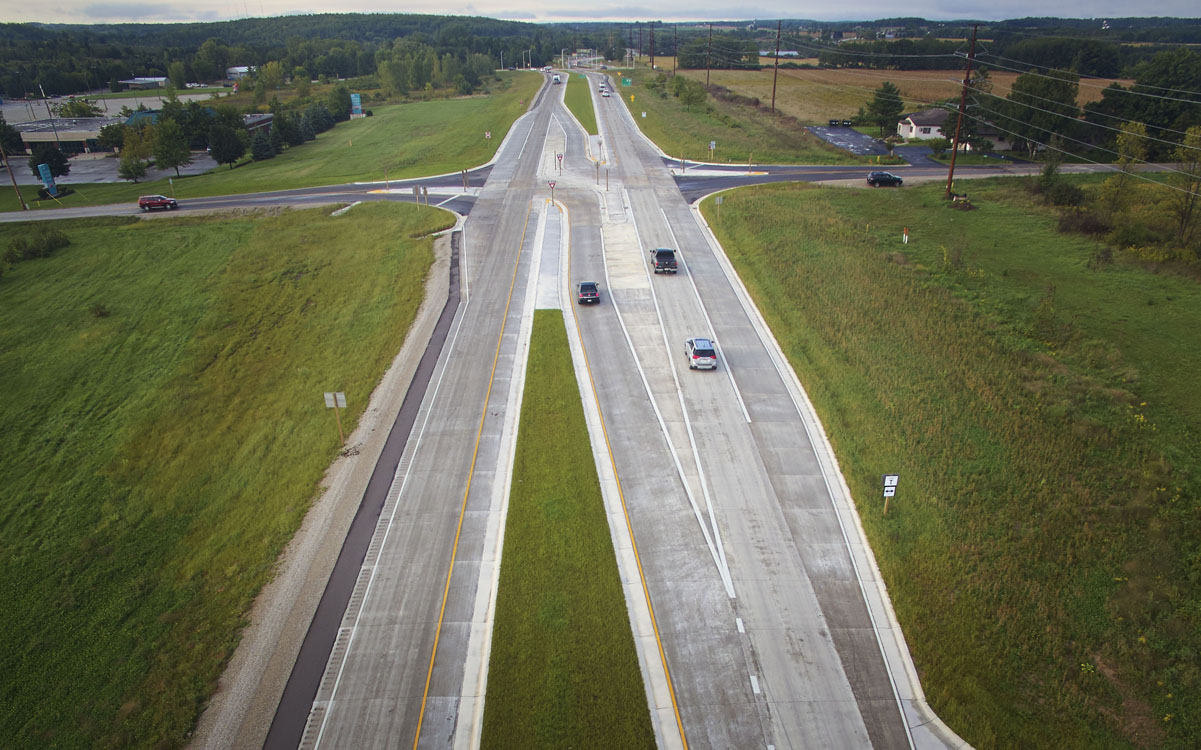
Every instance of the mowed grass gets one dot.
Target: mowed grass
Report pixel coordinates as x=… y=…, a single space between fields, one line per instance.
x=400 y=141
x=1042 y=412
x=155 y=461
x=741 y=132
x=813 y=96
x=578 y=98
x=563 y=670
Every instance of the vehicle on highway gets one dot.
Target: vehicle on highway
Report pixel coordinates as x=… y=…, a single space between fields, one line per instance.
x=664 y=260
x=701 y=354
x=884 y=179
x=605 y=94
x=587 y=292
x=148 y=202
x=555 y=78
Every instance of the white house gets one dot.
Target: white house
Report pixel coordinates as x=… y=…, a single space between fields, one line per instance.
x=238 y=71
x=924 y=125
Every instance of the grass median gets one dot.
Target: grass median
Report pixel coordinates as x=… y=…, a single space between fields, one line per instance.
x=161 y=439
x=1038 y=400
x=578 y=98
x=401 y=141
x=563 y=669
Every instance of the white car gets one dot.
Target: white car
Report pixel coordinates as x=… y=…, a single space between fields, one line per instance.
x=701 y=354
x=605 y=94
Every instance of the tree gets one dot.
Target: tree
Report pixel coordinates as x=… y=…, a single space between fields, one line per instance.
x=938 y=146
x=886 y=106
x=338 y=102
x=112 y=136
x=301 y=81
x=1132 y=149
x=177 y=74
x=131 y=167
x=171 y=146
x=1039 y=106
x=306 y=129
x=260 y=146
x=271 y=75
x=48 y=153
x=78 y=108
x=10 y=138
x=1184 y=200
x=225 y=145
x=134 y=150
x=277 y=139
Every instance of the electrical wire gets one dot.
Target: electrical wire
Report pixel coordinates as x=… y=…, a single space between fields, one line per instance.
x=1130 y=91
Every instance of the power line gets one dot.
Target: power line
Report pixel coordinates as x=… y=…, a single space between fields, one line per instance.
x=1091 y=78
x=1105 y=88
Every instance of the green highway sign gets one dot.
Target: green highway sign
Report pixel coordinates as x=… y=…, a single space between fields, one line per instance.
x=625 y=82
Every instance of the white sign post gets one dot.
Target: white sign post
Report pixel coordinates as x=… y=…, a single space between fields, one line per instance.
x=890 y=488
x=336 y=400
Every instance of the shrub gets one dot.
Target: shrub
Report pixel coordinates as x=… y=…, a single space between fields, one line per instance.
x=43 y=195
x=1137 y=234
x=1065 y=194
x=40 y=244
x=99 y=310
x=1084 y=222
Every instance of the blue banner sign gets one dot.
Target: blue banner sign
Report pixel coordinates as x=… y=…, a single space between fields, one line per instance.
x=356 y=105
x=47 y=178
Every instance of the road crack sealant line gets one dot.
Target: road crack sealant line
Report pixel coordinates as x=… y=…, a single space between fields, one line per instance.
x=708 y=321
x=617 y=482
x=723 y=565
x=671 y=449
x=829 y=463
x=470 y=475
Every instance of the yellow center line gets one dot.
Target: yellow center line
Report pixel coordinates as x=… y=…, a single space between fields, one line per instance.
x=624 y=510
x=471 y=473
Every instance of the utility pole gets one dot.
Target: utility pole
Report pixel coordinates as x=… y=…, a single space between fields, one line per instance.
x=708 y=50
x=652 y=45
x=675 y=42
x=776 y=72
x=8 y=165
x=967 y=76
x=52 y=125
x=640 y=39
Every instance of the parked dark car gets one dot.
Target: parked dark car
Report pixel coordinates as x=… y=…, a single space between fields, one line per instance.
x=847 y=123
x=835 y=123
x=587 y=292
x=148 y=202
x=884 y=179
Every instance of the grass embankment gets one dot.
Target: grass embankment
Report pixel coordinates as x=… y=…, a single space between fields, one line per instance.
x=563 y=670
x=742 y=132
x=1042 y=411
x=400 y=141
x=813 y=96
x=578 y=99
x=155 y=460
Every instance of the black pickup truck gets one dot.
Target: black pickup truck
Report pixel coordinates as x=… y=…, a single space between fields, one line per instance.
x=663 y=260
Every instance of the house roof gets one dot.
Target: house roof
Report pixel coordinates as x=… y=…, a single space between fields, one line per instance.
x=927 y=117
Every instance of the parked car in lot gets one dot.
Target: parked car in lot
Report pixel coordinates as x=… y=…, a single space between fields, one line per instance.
x=847 y=123
x=884 y=179
x=701 y=354
x=587 y=292
x=835 y=122
x=148 y=202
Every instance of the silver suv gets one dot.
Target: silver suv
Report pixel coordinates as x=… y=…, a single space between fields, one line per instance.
x=701 y=354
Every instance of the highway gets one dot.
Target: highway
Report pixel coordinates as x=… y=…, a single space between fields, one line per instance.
x=768 y=629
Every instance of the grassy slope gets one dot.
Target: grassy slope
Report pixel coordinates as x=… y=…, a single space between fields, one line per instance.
x=1042 y=553
x=579 y=100
x=740 y=131
x=156 y=461
x=404 y=140
x=563 y=670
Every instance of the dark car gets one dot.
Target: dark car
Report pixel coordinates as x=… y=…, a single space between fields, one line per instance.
x=884 y=179
x=835 y=123
x=148 y=202
x=663 y=260
x=587 y=291
x=847 y=123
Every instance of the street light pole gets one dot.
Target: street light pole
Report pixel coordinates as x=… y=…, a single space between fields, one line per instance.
x=8 y=165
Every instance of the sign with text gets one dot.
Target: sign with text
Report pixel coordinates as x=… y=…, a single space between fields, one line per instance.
x=47 y=178
x=356 y=104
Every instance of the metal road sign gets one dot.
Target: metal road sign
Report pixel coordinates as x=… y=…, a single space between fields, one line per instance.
x=712 y=145
x=337 y=399
x=625 y=82
x=488 y=134
x=890 y=480
x=551 y=183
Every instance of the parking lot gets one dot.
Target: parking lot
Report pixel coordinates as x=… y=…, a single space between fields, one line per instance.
x=850 y=139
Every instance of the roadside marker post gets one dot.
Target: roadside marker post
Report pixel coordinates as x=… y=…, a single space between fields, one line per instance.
x=336 y=400
x=552 y=190
x=560 y=158
x=890 y=488
x=905 y=236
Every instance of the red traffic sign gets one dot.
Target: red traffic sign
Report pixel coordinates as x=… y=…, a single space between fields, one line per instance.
x=488 y=134
x=551 y=183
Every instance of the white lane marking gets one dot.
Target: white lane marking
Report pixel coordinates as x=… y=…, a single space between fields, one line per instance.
x=447 y=356
x=788 y=376
x=716 y=343
x=723 y=566
x=528 y=132
x=717 y=561
x=448 y=200
x=738 y=622
x=755 y=684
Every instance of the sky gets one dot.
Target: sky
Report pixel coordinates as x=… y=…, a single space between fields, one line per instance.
x=540 y=11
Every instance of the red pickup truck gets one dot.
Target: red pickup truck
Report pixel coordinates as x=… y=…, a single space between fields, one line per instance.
x=148 y=202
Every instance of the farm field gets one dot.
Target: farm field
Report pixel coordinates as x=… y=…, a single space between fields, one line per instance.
x=563 y=670
x=1038 y=399
x=440 y=136
x=814 y=96
x=161 y=439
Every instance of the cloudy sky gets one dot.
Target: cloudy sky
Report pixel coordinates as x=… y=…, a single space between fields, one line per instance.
x=116 y=11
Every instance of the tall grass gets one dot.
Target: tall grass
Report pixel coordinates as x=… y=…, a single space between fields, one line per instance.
x=402 y=140
x=563 y=671
x=156 y=460
x=1042 y=550
x=578 y=98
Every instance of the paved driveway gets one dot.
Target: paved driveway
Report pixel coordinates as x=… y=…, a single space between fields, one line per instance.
x=98 y=167
x=850 y=139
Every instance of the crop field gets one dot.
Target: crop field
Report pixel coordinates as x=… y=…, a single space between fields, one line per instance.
x=814 y=96
x=563 y=670
x=161 y=438
x=400 y=141
x=1038 y=398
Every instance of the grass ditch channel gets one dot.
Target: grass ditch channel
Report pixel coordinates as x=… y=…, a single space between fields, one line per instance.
x=564 y=671
x=161 y=439
x=401 y=141
x=578 y=98
x=1040 y=407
